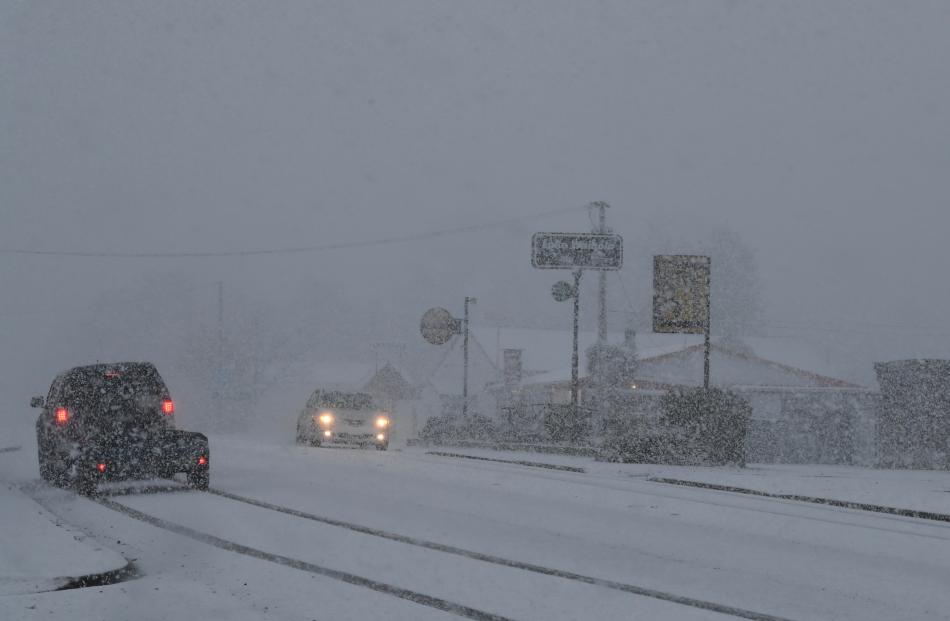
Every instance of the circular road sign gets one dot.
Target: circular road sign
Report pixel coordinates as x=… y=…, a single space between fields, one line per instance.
x=438 y=326
x=562 y=290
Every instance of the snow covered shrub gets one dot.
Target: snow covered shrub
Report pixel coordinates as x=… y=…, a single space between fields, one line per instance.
x=695 y=427
x=523 y=423
x=632 y=439
x=452 y=429
x=713 y=424
x=565 y=423
x=438 y=430
x=476 y=428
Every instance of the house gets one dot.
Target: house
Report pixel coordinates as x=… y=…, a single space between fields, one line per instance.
x=801 y=412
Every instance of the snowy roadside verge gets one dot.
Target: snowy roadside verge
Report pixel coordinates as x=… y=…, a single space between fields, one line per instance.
x=846 y=504
x=899 y=492
x=38 y=554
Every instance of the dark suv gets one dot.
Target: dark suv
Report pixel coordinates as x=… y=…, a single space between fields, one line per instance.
x=114 y=421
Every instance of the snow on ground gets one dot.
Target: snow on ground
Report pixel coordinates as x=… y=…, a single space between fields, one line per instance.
x=917 y=490
x=39 y=553
x=788 y=559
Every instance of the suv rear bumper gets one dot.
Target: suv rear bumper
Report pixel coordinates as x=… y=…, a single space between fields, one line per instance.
x=174 y=451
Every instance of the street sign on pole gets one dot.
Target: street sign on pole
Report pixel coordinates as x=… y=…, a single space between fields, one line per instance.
x=438 y=326
x=680 y=293
x=562 y=290
x=577 y=251
x=681 y=298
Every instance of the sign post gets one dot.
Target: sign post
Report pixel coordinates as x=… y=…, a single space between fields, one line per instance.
x=571 y=251
x=574 y=357
x=438 y=326
x=681 y=298
x=577 y=252
x=468 y=301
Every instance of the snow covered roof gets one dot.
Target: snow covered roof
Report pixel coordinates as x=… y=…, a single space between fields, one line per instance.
x=668 y=358
x=549 y=350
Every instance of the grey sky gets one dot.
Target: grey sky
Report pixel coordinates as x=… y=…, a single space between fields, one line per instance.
x=818 y=131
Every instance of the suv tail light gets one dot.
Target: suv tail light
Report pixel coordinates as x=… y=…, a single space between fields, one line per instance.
x=168 y=407
x=62 y=416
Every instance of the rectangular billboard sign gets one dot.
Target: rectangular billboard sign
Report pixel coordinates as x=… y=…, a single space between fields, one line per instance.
x=680 y=293
x=577 y=251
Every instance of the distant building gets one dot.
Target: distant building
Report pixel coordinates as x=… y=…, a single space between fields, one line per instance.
x=800 y=414
x=915 y=413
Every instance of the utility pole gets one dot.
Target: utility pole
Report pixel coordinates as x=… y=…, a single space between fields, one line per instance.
x=574 y=358
x=601 y=317
x=602 y=295
x=468 y=301
x=708 y=324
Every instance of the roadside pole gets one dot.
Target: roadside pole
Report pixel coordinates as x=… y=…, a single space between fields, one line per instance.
x=602 y=294
x=438 y=327
x=579 y=252
x=468 y=301
x=574 y=357
x=681 y=298
x=708 y=323
x=600 y=397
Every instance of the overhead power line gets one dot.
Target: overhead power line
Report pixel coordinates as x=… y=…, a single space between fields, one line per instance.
x=459 y=230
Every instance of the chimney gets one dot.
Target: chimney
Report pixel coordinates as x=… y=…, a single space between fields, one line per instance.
x=630 y=337
x=512 y=366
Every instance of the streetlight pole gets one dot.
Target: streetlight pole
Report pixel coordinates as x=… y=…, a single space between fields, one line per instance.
x=599 y=380
x=708 y=324
x=574 y=359
x=468 y=301
x=602 y=294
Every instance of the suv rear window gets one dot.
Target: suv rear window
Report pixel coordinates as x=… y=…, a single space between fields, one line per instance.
x=133 y=390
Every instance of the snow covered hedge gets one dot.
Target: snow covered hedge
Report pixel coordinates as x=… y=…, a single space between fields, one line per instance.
x=697 y=426
x=450 y=429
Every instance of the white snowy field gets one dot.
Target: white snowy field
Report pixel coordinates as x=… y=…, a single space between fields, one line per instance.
x=484 y=538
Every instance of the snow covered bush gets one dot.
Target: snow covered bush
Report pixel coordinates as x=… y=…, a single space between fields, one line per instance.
x=713 y=422
x=565 y=423
x=696 y=427
x=452 y=429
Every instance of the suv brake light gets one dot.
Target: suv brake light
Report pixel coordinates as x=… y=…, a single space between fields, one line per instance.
x=168 y=407
x=62 y=416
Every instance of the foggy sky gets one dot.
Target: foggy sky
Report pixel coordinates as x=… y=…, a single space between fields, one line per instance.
x=818 y=131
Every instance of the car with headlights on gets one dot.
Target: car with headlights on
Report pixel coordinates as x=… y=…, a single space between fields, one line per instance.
x=343 y=418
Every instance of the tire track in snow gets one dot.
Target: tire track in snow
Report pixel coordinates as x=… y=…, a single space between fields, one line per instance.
x=497 y=560
x=353 y=579
x=517 y=462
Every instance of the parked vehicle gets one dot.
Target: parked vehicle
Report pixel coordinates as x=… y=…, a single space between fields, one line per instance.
x=114 y=421
x=336 y=417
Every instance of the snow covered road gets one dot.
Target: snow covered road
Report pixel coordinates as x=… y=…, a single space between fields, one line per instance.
x=491 y=539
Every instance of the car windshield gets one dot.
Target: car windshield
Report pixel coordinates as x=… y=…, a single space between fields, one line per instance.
x=341 y=401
